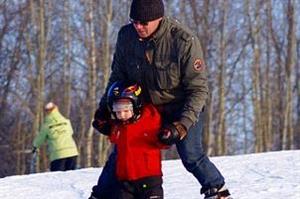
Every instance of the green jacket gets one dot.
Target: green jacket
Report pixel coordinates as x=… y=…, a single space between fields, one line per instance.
x=173 y=72
x=57 y=130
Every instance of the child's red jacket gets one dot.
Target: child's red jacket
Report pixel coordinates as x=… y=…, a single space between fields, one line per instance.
x=138 y=147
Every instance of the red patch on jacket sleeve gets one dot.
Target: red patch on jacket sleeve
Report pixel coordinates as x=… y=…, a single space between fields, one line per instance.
x=199 y=65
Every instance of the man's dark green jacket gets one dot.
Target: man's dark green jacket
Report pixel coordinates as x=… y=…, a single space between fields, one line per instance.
x=169 y=66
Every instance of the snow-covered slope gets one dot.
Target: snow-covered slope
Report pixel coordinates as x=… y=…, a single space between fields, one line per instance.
x=273 y=175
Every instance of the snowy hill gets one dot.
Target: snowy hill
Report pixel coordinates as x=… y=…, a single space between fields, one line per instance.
x=273 y=175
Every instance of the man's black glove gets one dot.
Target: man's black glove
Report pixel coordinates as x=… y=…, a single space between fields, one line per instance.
x=101 y=118
x=103 y=127
x=171 y=133
x=33 y=149
x=102 y=113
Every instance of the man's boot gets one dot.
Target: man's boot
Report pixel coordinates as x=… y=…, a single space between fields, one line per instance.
x=215 y=193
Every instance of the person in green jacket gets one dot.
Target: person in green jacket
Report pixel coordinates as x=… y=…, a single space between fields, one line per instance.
x=57 y=131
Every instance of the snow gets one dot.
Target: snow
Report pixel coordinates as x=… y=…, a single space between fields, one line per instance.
x=272 y=175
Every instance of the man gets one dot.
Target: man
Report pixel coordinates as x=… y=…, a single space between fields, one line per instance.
x=166 y=59
x=57 y=131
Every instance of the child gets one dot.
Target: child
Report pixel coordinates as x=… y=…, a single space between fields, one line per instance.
x=134 y=131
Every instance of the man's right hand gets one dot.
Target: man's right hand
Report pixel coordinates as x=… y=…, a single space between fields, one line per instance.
x=101 y=121
x=102 y=126
x=102 y=113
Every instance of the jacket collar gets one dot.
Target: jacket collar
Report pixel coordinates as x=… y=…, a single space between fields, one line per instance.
x=162 y=28
x=54 y=114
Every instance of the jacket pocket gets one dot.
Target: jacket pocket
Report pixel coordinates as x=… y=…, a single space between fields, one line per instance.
x=57 y=130
x=167 y=76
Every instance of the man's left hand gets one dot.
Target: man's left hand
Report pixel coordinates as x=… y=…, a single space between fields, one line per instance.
x=171 y=133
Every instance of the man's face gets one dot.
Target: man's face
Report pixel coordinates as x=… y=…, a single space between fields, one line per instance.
x=145 y=29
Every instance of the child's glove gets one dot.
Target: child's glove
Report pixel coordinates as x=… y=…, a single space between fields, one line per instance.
x=171 y=133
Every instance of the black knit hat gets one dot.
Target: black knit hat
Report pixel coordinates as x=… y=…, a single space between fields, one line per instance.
x=146 y=10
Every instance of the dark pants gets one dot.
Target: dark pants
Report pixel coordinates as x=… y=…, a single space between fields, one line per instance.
x=145 y=188
x=193 y=158
x=196 y=161
x=108 y=185
x=63 y=164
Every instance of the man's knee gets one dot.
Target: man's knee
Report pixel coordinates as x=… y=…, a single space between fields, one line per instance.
x=193 y=162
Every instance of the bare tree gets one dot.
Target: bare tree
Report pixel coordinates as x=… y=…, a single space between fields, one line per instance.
x=103 y=144
x=288 y=131
x=38 y=82
x=92 y=77
x=221 y=128
x=297 y=87
x=256 y=81
x=67 y=78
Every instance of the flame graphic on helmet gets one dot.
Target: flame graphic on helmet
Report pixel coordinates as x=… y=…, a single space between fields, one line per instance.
x=133 y=89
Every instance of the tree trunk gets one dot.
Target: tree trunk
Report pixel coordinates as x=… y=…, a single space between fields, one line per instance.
x=297 y=129
x=288 y=135
x=37 y=11
x=92 y=76
x=221 y=130
x=256 y=82
x=103 y=144
x=67 y=77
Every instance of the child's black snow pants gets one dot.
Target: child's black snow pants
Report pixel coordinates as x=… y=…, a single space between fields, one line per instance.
x=144 y=188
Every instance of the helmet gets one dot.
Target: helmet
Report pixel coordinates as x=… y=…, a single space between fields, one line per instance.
x=123 y=90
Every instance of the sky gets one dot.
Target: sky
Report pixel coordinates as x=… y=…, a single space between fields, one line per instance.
x=272 y=175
